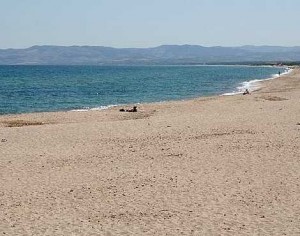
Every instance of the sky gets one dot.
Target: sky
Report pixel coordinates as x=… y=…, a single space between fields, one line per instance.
x=149 y=23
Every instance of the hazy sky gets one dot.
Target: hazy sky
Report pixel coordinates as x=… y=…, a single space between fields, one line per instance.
x=147 y=23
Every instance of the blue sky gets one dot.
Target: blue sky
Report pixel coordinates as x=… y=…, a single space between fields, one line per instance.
x=148 y=23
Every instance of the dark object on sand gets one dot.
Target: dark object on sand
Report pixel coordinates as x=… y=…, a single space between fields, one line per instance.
x=246 y=92
x=134 y=109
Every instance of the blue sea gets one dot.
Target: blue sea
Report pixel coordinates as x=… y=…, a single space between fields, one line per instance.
x=26 y=89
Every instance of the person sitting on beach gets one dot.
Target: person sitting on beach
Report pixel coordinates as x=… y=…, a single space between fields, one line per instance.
x=134 y=109
x=246 y=92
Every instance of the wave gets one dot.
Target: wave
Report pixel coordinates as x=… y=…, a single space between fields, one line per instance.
x=255 y=84
x=94 y=108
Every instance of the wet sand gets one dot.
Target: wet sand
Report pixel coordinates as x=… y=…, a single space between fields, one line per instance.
x=224 y=165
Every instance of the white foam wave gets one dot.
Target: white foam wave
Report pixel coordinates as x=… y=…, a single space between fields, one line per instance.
x=254 y=85
x=94 y=108
x=251 y=85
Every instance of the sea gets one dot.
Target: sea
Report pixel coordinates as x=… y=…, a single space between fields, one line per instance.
x=26 y=89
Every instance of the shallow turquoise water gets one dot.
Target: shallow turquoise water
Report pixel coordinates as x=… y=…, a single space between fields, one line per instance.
x=52 y=88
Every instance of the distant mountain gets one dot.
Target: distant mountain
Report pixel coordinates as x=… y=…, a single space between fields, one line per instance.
x=165 y=54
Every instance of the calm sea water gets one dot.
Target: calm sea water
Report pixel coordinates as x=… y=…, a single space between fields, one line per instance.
x=51 y=88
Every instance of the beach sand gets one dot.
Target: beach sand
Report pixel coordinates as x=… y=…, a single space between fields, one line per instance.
x=224 y=165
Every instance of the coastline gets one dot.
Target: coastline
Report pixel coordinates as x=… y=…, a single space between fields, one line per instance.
x=232 y=87
x=258 y=85
x=215 y=165
x=252 y=86
x=255 y=84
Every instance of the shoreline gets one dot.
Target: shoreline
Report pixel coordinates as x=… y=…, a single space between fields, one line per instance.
x=221 y=165
x=67 y=113
x=250 y=85
x=254 y=85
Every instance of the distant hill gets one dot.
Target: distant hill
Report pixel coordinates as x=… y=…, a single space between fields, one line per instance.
x=165 y=54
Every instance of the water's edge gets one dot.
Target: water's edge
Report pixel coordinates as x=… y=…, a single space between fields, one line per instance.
x=251 y=85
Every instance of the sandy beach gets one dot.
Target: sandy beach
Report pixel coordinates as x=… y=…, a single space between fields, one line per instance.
x=223 y=165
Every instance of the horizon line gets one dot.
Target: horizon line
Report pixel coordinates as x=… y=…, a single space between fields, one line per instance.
x=195 y=45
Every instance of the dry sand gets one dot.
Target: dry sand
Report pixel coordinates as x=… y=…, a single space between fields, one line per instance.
x=227 y=165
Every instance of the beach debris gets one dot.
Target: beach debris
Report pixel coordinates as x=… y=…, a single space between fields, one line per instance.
x=298 y=123
x=3 y=140
x=175 y=155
